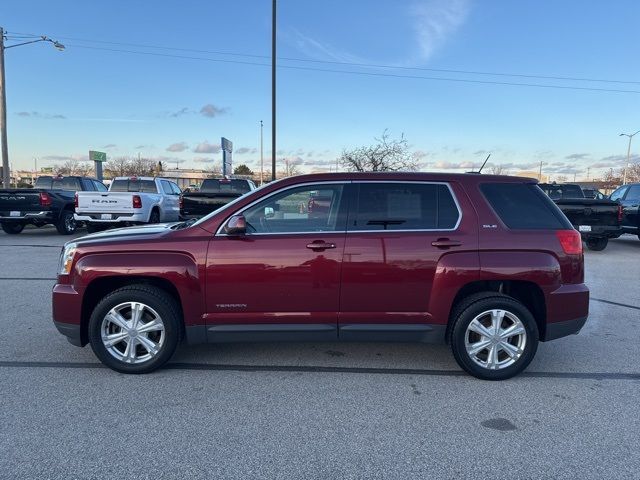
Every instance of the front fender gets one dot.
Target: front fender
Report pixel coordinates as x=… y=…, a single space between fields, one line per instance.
x=177 y=268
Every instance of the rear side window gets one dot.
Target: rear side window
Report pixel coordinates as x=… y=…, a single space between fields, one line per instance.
x=524 y=206
x=634 y=193
x=404 y=206
x=145 y=186
x=166 y=186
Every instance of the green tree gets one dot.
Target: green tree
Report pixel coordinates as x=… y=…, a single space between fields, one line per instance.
x=242 y=170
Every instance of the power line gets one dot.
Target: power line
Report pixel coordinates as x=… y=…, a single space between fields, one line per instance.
x=354 y=64
x=371 y=74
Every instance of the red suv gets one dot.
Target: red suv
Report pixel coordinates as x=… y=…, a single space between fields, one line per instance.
x=488 y=264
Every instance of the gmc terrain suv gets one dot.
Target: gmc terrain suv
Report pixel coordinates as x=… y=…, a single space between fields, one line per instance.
x=488 y=264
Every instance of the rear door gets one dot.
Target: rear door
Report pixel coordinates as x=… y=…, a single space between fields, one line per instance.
x=397 y=233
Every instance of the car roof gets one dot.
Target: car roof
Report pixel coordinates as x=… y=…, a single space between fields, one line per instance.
x=465 y=178
x=136 y=177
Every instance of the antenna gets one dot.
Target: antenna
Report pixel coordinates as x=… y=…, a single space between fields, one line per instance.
x=485 y=162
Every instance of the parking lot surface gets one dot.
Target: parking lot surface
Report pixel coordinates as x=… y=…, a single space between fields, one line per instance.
x=317 y=410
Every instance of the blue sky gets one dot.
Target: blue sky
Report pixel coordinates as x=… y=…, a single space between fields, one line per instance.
x=176 y=109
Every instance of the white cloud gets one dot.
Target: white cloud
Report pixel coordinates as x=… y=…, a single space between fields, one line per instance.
x=435 y=21
x=206 y=147
x=177 y=147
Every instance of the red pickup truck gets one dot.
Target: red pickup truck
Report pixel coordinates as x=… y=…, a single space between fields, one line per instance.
x=486 y=263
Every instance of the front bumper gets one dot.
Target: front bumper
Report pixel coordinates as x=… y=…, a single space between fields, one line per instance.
x=67 y=313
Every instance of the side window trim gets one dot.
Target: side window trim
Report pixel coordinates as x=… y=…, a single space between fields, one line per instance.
x=356 y=199
x=220 y=232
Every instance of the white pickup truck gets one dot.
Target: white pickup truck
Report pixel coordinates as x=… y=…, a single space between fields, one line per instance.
x=129 y=201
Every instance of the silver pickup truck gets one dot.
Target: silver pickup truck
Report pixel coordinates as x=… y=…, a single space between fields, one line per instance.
x=129 y=201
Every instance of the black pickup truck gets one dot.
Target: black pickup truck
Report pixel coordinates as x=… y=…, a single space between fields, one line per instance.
x=51 y=201
x=629 y=197
x=596 y=220
x=213 y=194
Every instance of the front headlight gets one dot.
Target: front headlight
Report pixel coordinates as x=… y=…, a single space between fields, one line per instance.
x=66 y=258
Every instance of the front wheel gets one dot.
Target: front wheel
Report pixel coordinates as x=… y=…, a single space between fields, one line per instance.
x=12 y=228
x=135 y=329
x=493 y=337
x=597 y=244
x=66 y=225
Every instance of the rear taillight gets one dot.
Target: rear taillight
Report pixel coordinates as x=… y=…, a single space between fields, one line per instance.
x=137 y=201
x=620 y=212
x=75 y=200
x=45 y=199
x=571 y=241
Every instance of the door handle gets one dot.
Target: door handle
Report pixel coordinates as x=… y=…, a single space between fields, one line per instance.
x=446 y=243
x=320 y=245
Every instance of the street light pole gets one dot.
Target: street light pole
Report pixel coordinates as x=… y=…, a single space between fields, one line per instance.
x=261 y=156
x=6 y=174
x=273 y=91
x=626 y=165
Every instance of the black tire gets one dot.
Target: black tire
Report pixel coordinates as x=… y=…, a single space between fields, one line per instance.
x=154 y=217
x=66 y=224
x=473 y=306
x=12 y=228
x=161 y=302
x=94 y=228
x=597 y=244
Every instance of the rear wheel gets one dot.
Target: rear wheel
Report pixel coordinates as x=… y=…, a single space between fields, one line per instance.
x=12 y=228
x=66 y=225
x=135 y=329
x=597 y=244
x=493 y=337
x=155 y=216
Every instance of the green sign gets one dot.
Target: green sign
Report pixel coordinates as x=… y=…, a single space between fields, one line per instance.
x=46 y=170
x=97 y=156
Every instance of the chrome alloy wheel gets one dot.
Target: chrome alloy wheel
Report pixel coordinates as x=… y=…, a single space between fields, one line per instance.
x=495 y=339
x=70 y=223
x=132 y=332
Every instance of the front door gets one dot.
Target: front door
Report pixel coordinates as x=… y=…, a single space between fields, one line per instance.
x=282 y=278
x=397 y=232
x=631 y=207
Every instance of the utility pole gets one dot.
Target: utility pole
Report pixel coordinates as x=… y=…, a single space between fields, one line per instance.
x=6 y=175
x=261 y=156
x=540 y=173
x=626 y=166
x=273 y=91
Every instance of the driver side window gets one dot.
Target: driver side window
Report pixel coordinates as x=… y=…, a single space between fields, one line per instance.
x=312 y=208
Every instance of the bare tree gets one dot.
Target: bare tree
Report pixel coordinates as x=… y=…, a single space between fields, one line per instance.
x=633 y=173
x=610 y=180
x=118 y=167
x=387 y=154
x=499 y=170
x=290 y=168
x=73 y=166
x=142 y=166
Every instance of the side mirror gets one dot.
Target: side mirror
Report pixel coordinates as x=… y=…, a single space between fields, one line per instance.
x=236 y=225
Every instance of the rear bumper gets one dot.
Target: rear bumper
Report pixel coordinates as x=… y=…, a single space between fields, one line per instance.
x=43 y=215
x=602 y=232
x=567 y=311
x=67 y=313
x=563 y=329
x=115 y=218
